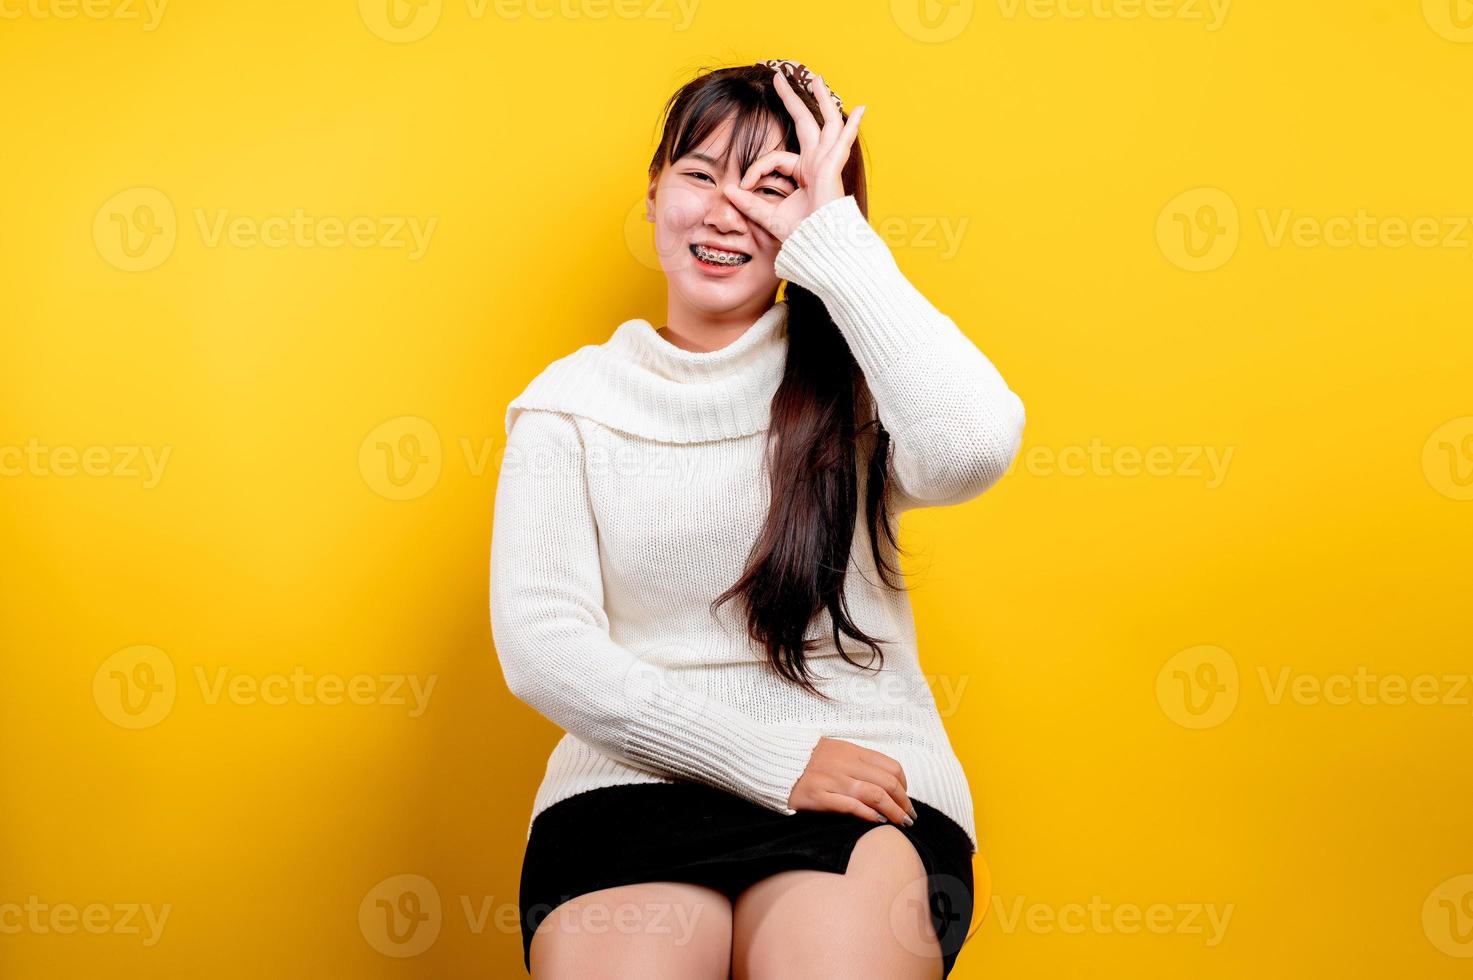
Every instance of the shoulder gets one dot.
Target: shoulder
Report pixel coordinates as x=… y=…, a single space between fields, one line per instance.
x=551 y=392
x=544 y=443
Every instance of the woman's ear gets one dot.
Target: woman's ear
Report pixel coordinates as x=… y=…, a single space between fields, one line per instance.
x=649 y=202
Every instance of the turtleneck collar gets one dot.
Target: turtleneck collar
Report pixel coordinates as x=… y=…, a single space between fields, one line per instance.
x=641 y=343
x=640 y=383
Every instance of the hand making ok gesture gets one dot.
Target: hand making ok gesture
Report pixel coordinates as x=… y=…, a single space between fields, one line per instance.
x=817 y=167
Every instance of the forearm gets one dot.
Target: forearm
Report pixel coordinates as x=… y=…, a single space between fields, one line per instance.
x=955 y=424
x=552 y=638
x=637 y=713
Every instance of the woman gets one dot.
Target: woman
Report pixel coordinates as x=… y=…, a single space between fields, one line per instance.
x=681 y=574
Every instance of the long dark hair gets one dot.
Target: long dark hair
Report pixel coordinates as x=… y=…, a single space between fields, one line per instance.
x=822 y=419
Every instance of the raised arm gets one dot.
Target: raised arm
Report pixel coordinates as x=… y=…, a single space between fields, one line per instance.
x=954 y=423
x=552 y=637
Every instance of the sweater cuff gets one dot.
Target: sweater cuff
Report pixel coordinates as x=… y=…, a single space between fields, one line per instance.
x=835 y=254
x=701 y=740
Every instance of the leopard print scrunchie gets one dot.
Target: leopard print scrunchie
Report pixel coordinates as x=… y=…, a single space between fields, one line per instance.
x=797 y=72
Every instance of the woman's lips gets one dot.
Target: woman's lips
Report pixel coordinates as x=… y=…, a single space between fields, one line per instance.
x=716 y=269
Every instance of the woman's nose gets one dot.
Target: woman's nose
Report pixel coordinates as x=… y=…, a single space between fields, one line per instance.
x=720 y=212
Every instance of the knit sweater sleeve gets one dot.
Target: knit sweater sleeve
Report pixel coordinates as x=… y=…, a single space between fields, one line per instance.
x=552 y=638
x=955 y=425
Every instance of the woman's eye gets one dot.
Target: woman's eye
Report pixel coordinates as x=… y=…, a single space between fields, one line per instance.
x=780 y=192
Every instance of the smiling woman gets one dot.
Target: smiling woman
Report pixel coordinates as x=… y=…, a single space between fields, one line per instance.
x=739 y=153
x=686 y=625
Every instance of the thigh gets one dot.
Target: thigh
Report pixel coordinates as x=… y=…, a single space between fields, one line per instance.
x=871 y=921
x=661 y=930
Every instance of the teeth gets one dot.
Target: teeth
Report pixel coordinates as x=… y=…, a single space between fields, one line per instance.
x=718 y=257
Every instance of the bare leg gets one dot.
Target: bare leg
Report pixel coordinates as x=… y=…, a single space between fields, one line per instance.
x=660 y=930
x=871 y=921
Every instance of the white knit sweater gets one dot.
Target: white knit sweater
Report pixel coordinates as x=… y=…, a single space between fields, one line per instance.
x=631 y=491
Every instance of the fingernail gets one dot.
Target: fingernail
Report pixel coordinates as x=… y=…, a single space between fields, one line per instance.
x=909 y=821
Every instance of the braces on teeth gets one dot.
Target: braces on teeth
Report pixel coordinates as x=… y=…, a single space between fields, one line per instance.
x=719 y=258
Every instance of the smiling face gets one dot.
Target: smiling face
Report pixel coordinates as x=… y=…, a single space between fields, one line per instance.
x=734 y=280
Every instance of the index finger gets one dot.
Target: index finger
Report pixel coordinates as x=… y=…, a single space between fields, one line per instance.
x=774 y=162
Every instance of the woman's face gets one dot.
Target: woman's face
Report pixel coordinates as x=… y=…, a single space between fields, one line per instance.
x=689 y=209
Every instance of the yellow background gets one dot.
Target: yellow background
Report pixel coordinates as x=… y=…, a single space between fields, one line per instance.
x=1118 y=634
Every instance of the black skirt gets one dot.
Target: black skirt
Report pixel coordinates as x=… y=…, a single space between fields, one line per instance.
x=689 y=832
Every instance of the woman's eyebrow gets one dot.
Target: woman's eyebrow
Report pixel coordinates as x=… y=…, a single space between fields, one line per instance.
x=694 y=155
